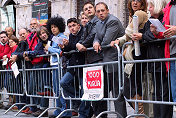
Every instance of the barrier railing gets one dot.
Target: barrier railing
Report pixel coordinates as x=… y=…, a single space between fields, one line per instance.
x=112 y=83
x=137 y=84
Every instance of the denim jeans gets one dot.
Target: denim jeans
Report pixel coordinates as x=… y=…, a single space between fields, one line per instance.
x=173 y=79
x=60 y=102
x=43 y=102
x=67 y=85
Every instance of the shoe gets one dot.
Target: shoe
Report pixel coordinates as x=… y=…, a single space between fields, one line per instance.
x=74 y=113
x=37 y=113
x=15 y=108
x=26 y=110
x=7 y=107
x=1 y=106
x=46 y=93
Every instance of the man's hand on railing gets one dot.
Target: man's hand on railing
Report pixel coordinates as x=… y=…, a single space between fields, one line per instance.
x=80 y=47
x=112 y=44
x=170 y=32
x=96 y=46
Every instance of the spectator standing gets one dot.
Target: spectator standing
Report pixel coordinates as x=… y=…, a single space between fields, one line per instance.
x=108 y=28
x=156 y=50
x=138 y=8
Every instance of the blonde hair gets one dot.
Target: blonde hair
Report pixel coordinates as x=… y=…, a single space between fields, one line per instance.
x=158 y=5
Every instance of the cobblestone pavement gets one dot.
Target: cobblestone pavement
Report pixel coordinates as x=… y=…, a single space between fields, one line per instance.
x=11 y=114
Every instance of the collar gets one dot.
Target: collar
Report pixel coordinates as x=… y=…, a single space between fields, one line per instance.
x=60 y=34
x=3 y=43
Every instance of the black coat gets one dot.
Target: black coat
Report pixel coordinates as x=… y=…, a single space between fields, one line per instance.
x=77 y=58
x=155 y=50
x=87 y=40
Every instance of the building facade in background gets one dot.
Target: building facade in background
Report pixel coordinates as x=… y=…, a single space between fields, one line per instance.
x=18 y=13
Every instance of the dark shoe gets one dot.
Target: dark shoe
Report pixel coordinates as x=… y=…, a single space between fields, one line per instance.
x=37 y=113
x=46 y=93
x=74 y=113
x=1 y=106
x=26 y=110
x=7 y=107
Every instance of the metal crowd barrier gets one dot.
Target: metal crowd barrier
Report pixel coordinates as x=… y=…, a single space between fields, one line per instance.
x=10 y=85
x=112 y=83
x=137 y=87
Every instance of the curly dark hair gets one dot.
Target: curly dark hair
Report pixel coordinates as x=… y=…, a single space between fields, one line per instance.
x=143 y=7
x=57 y=21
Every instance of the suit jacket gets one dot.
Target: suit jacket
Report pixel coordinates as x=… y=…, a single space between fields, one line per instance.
x=106 y=31
x=87 y=40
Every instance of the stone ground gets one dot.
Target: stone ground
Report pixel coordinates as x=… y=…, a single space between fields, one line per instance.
x=11 y=114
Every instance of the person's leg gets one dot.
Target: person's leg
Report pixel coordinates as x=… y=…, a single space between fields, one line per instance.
x=166 y=110
x=120 y=104
x=66 y=83
x=173 y=80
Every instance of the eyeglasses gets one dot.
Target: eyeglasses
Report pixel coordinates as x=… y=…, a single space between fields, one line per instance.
x=136 y=0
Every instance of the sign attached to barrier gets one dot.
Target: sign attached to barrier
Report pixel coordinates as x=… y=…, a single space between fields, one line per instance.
x=93 y=83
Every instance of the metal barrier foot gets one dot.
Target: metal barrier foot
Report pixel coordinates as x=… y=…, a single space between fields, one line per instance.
x=137 y=115
x=47 y=110
x=109 y=112
x=67 y=110
x=13 y=106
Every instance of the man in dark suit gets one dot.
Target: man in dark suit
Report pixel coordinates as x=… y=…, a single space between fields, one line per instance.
x=89 y=34
x=109 y=28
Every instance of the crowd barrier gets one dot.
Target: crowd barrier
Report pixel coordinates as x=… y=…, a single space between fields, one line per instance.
x=148 y=82
x=112 y=83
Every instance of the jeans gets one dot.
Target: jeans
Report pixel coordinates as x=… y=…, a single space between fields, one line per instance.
x=173 y=79
x=35 y=84
x=67 y=85
x=60 y=102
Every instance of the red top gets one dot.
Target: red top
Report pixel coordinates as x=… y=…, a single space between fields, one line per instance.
x=4 y=50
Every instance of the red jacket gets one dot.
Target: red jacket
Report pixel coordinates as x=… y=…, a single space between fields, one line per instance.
x=4 y=50
x=32 y=43
x=12 y=49
x=166 y=21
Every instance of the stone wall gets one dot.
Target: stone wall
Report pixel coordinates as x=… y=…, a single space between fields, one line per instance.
x=64 y=8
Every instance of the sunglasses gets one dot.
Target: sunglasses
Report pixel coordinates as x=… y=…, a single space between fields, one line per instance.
x=136 y=0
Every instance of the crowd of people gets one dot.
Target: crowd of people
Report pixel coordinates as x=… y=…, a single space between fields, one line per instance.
x=96 y=27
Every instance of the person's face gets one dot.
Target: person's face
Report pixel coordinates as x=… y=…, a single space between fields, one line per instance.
x=84 y=20
x=4 y=38
x=43 y=35
x=33 y=25
x=12 y=43
x=151 y=9
x=55 y=30
x=73 y=27
x=9 y=31
x=23 y=34
x=101 y=12
x=136 y=5
x=89 y=10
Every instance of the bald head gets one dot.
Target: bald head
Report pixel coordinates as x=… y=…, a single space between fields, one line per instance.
x=9 y=31
x=22 y=34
